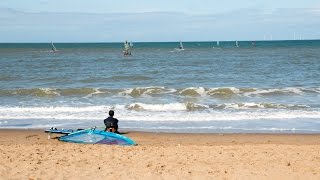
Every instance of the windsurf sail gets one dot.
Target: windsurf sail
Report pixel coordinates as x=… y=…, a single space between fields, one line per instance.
x=217 y=44
x=94 y=136
x=127 y=47
x=181 y=45
x=237 y=44
x=53 y=48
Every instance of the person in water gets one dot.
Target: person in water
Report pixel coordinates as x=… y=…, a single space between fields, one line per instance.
x=111 y=123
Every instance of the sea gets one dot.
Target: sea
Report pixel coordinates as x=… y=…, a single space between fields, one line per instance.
x=209 y=87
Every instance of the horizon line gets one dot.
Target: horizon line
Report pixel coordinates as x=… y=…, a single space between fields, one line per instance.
x=79 y=42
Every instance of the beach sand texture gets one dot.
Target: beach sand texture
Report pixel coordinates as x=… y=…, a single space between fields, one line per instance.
x=28 y=154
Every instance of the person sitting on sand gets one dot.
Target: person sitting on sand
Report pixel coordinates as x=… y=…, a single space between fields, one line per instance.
x=111 y=123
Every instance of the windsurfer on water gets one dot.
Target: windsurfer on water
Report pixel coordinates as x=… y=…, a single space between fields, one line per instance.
x=126 y=51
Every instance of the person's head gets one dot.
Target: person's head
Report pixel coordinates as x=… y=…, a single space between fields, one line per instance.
x=111 y=113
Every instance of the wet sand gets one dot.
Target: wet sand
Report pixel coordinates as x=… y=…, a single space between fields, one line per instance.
x=28 y=154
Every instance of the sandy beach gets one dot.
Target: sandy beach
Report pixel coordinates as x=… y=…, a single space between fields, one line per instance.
x=28 y=154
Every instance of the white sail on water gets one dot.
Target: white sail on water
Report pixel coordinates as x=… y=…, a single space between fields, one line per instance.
x=127 y=48
x=237 y=44
x=181 y=45
x=180 y=48
x=54 y=49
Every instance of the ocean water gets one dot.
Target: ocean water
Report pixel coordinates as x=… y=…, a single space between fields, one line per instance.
x=267 y=87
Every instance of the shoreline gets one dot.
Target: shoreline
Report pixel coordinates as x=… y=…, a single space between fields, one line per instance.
x=216 y=138
x=29 y=154
x=181 y=131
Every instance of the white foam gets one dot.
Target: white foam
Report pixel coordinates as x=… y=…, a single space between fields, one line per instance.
x=293 y=90
x=50 y=91
x=260 y=105
x=147 y=90
x=155 y=112
x=96 y=91
x=160 y=107
x=201 y=91
x=233 y=89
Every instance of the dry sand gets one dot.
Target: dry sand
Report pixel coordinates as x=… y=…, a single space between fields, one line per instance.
x=28 y=154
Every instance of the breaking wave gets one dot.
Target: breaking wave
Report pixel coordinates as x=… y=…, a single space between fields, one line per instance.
x=159 y=112
x=221 y=92
x=189 y=106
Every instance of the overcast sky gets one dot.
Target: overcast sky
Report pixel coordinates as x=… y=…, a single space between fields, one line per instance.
x=165 y=20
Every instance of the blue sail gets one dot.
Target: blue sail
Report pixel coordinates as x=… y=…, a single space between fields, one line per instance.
x=93 y=136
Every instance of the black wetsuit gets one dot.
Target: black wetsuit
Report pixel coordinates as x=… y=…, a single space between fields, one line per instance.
x=111 y=122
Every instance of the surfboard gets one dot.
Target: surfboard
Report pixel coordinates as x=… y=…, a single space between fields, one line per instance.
x=94 y=136
x=59 y=131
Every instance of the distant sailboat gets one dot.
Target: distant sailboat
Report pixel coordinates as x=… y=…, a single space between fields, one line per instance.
x=180 y=48
x=54 y=49
x=237 y=44
x=217 y=44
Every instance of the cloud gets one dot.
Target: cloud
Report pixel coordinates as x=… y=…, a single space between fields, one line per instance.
x=243 y=24
x=315 y=12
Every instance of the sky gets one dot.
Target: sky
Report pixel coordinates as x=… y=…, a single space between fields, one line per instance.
x=165 y=20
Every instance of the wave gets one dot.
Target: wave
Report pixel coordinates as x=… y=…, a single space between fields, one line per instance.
x=220 y=92
x=258 y=106
x=192 y=91
x=156 y=112
x=189 y=106
x=157 y=107
x=39 y=92
x=226 y=92
x=52 y=92
x=151 y=91
x=166 y=107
